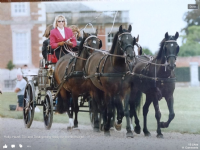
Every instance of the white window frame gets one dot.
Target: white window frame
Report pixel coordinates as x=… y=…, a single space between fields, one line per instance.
x=27 y=9
x=114 y=31
x=14 y=42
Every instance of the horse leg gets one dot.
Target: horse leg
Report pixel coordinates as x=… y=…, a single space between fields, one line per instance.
x=170 y=104
x=70 y=114
x=127 y=115
x=76 y=109
x=145 y=112
x=97 y=115
x=137 y=128
x=62 y=101
x=109 y=113
x=97 y=108
x=135 y=97
x=120 y=113
x=158 y=116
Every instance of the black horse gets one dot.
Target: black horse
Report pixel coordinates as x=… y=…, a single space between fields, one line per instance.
x=155 y=77
x=107 y=71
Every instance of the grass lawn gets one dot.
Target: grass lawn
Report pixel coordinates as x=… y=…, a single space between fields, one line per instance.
x=186 y=107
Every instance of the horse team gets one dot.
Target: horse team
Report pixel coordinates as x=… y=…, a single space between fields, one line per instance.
x=116 y=79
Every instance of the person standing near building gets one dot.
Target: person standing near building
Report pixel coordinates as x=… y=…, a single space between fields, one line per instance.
x=20 y=88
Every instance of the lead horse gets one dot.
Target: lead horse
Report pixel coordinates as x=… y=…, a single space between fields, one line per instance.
x=108 y=72
x=68 y=75
x=156 y=78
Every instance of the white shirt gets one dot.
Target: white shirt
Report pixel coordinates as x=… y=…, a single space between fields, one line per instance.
x=62 y=32
x=21 y=85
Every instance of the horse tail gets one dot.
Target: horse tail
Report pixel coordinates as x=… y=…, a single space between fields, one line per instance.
x=138 y=101
x=62 y=104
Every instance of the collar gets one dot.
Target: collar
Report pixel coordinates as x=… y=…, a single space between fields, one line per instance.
x=61 y=30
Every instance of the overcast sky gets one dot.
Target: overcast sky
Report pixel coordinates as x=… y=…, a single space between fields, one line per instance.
x=151 y=19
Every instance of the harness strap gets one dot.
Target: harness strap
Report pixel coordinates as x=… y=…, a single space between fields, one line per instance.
x=141 y=76
x=106 y=75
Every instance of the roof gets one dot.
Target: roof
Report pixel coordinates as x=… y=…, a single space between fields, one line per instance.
x=66 y=7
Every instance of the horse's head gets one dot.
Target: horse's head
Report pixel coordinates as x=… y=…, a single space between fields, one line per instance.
x=90 y=42
x=171 y=49
x=126 y=46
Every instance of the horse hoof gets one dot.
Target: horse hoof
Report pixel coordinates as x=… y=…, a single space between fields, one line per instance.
x=107 y=133
x=129 y=135
x=76 y=126
x=102 y=127
x=118 y=127
x=147 y=134
x=70 y=128
x=137 y=130
x=96 y=130
x=112 y=129
x=160 y=136
x=164 y=125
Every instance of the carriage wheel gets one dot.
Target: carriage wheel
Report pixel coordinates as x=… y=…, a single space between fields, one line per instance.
x=28 y=103
x=91 y=115
x=48 y=110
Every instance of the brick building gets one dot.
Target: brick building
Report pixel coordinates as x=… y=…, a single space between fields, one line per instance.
x=23 y=24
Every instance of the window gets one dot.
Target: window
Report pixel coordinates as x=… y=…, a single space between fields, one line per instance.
x=21 y=47
x=110 y=38
x=20 y=9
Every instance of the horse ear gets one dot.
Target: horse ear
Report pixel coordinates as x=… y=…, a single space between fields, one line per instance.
x=130 y=28
x=100 y=44
x=176 y=35
x=137 y=40
x=120 y=29
x=134 y=41
x=166 y=35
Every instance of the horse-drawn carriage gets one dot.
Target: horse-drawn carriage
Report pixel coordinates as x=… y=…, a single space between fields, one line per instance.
x=42 y=90
x=109 y=78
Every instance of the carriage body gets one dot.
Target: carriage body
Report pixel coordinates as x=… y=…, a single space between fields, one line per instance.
x=41 y=90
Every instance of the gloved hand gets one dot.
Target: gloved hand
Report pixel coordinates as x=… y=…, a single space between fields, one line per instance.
x=61 y=43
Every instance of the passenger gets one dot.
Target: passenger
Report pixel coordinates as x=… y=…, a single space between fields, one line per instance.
x=46 y=42
x=61 y=35
x=77 y=35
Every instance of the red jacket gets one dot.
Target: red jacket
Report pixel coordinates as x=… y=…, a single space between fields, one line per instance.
x=56 y=37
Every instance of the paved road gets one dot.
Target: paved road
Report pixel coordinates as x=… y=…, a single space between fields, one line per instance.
x=12 y=132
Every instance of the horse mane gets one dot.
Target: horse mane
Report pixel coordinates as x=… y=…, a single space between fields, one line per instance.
x=113 y=43
x=160 y=49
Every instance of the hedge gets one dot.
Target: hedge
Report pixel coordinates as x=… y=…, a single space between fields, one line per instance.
x=183 y=74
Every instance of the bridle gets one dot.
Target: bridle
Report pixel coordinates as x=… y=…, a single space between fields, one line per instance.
x=86 y=44
x=120 y=44
x=171 y=55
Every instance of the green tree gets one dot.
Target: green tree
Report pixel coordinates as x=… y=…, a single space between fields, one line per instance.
x=10 y=66
x=146 y=51
x=192 y=18
x=191 y=42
